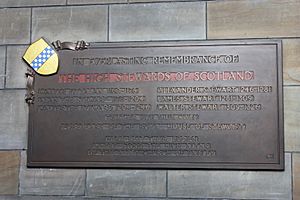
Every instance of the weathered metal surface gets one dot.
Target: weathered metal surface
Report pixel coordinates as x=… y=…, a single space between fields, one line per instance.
x=196 y=104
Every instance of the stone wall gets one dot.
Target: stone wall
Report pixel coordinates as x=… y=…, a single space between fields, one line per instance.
x=23 y=21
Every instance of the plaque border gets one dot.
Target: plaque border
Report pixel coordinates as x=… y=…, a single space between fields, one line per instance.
x=187 y=165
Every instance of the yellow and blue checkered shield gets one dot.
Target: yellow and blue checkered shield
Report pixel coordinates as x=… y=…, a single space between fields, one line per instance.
x=42 y=57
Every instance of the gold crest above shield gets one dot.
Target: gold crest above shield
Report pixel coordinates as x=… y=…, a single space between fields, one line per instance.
x=42 y=57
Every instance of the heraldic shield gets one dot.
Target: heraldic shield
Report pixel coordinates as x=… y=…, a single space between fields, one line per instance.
x=42 y=58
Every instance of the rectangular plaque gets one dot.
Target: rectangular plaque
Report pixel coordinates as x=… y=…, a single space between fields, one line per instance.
x=191 y=104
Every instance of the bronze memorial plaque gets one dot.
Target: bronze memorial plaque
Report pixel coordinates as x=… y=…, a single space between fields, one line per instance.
x=188 y=104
